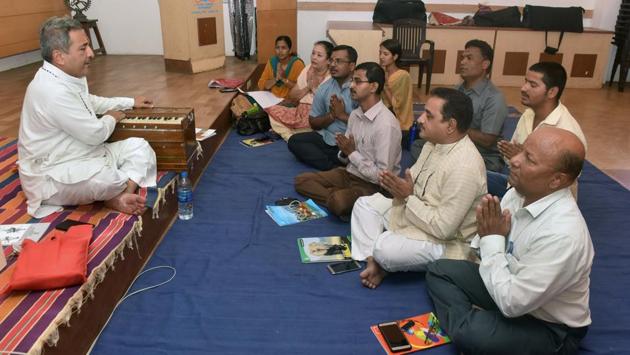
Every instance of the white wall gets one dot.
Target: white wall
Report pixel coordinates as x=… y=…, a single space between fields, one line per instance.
x=128 y=27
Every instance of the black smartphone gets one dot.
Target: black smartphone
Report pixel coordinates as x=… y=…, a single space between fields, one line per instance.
x=65 y=225
x=394 y=337
x=343 y=266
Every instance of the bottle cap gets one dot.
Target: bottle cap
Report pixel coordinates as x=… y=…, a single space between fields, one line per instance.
x=184 y=174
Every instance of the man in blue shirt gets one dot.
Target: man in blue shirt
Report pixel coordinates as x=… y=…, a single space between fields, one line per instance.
x=329 y=114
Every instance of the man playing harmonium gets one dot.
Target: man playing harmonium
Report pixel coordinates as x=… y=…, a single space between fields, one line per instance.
x=63 y=157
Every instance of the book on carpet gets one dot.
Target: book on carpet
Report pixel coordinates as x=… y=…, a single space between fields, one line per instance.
x=324 y=249
x=295 y=212
x=225 y=83
x=204 y=133
x=422 y=332
x=256 y=142
x=14 y=234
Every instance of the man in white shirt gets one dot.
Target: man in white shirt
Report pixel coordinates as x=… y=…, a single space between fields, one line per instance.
x=370 y=145
x=63 y=159
x=541 y=92
x=432 y=213
x=530 y=293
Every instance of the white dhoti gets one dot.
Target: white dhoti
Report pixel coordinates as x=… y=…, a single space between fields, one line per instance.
x=393 y=252
x=131 y=159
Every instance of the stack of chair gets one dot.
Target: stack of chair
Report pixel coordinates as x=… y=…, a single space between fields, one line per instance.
x=621 y=39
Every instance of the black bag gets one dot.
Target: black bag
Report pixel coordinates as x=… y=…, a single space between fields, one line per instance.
x=508 y=17
x=562 y=19
x=252 y=123
x=388 y=11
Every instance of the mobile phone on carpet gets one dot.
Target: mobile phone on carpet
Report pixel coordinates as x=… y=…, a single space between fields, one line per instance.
x=343 y=266
x=394 y=337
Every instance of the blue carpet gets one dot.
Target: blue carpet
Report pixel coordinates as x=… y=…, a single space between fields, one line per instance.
x=241 y=289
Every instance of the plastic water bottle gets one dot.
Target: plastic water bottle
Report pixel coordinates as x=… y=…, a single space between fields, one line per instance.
x=184 y=197
x=413 y=133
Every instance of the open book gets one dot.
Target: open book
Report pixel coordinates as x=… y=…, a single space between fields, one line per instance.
x=264 y=99
x=324 y=249
x=422 y=332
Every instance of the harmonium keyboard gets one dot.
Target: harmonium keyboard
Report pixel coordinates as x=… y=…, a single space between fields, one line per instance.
x=169 y=130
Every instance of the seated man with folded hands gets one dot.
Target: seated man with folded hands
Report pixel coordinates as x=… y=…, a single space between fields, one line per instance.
x=432 y=213
x=370 y=145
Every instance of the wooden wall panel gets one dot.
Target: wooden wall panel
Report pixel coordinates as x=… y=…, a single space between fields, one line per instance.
x=544 y=57
x=271 y=24
x=20 y=21
x=439 y=60
x=516 y=63
x=583 y=65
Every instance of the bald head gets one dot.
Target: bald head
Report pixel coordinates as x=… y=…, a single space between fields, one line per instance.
x=564 y=148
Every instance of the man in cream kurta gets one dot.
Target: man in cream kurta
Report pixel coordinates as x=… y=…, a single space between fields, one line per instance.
x=432 y=214
x=63 y=159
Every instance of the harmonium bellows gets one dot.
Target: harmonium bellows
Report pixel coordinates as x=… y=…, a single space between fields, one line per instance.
x=169 y=130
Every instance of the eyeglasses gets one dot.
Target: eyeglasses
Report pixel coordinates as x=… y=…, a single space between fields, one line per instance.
x=358 y=81
x=337 y=61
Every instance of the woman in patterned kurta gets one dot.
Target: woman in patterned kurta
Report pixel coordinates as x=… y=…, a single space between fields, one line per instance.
x=287 y=120
x=281 y=72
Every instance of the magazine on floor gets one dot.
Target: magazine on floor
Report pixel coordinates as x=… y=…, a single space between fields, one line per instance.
x=422 y=332
x=14 y=234
x=256 y=142
x=295 y=212
x=324 y=249
x=204 y=133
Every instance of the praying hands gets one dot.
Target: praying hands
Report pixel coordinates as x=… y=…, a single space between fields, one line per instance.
x=509 y=149
x=400 y=188
x=490 y=219
x=346 y=144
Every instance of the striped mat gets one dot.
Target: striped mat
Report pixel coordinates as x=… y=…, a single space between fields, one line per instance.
x=28 y=320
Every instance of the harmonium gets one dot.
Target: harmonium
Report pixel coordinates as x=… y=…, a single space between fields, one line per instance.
x=169 y=130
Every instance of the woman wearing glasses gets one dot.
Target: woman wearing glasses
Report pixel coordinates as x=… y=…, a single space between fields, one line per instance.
x=397 y=94
x=281 y=72
x=286 y=120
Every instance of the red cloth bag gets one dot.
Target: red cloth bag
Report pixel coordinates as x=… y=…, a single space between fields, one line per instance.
x=57 y=262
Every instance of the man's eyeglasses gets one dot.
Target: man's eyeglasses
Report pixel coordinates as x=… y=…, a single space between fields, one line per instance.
x=337 y=61
x=358 y=81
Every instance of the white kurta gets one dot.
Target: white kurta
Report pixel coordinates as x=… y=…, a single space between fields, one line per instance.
x=61 y=141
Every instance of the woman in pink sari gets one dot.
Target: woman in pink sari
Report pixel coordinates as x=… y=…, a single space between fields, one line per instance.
x=286 y=118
